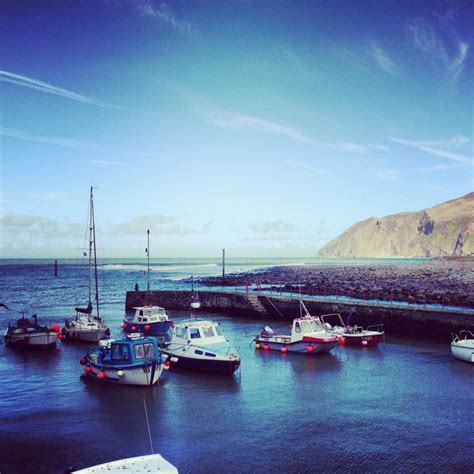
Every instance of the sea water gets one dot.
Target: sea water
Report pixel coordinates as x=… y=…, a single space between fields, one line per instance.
x=405 y=406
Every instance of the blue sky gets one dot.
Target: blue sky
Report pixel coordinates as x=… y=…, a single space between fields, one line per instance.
x=263 y=127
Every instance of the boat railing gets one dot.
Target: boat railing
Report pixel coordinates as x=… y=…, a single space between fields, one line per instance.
x=459 y=337
x=375 y=327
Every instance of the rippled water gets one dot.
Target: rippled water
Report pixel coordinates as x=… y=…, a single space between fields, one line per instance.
x=405 y=406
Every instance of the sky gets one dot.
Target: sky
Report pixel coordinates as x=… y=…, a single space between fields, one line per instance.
x=263 y=127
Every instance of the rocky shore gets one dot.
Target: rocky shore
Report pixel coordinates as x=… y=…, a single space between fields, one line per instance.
x=447 y=281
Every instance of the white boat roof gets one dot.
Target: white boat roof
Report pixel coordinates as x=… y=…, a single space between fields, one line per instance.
x=154 y=308
x=150 y=463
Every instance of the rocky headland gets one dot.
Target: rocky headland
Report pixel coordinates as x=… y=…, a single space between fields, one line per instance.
x=448 y=281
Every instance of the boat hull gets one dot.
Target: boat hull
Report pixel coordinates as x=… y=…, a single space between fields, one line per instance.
x=362 y=339
x=222 y=367
x=463 y=351
x=144 y=375
x=300 y=347
x=84 y=335
x=160 y=330
x=41 y=340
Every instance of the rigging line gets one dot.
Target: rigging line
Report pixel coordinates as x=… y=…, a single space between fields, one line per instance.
x=148 y=425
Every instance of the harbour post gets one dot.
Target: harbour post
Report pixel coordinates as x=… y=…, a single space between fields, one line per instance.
x=55 y=268
x=223 y=265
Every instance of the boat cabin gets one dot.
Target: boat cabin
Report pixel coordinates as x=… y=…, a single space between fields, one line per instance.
x=149 y=314
x=199 y=332
x=132 y=350
x=306 y=326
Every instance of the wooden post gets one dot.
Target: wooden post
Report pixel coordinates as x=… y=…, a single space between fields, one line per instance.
x=223 y=265
x=55 y=268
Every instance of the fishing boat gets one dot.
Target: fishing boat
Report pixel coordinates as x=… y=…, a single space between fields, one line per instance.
x=352 y=335
x=27 y=333
x=149 y=320
x=462 y=346
x=199 y=344
x=150 y=463
x=308 y=336
x=134 y=360
x=86 y=326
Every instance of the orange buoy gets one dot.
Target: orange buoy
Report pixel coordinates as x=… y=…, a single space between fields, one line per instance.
x=284 y=349
x=56 y=327
x=266 y=347
x=342 y=340
x=87 y=369
x=365 y=343
x=257 y=345
x=134 y=328
x=309 y=348
x=101 y=374
x=147 y=327
x=124 y=325
x=167 y=363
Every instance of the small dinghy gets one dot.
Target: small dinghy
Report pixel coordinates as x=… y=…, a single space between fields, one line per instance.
x=462 y=346
x=353 y=335
x=151 y=463
x=308 y=336
x=198 y=344
x=27 y=333
x=135 y=360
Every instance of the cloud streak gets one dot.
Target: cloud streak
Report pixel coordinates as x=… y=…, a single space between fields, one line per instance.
x=163 y=13
x=383 y=60
x=439 y=148
x=234 y=121
x=46 y=88
x=308 y=167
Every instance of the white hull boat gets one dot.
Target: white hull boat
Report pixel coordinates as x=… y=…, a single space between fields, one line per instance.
x=27 y=333
x=83 y=328
x=153 y=463
x=462 y=346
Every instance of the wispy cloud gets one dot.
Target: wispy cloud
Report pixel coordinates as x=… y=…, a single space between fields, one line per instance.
x=230 y=120
x=440 y=148
x=432 y=169
x=41 y=86
x=58 y=141
x=105 y=163
x=383 y=60
x=163 y=13
x=449 y=54
x=309 y=167
x=273 y=227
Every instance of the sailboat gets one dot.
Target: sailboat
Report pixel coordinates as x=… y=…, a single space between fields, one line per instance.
x=85 y=326
x=149 y=320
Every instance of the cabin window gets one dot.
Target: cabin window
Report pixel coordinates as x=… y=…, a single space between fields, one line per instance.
x=208 y=332
x=181 y=332
x=140 y=312
x=120 y=352
x=314 y=325
x=218 y=331
x=306 y=327
x=144 y=351
x=144 y=320
x=197 y=351
x=210 y=354
x=139 y=319
x=297 y=327
x=194 y=333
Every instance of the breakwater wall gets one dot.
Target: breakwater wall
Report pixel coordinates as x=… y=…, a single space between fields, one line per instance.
x=397 y=319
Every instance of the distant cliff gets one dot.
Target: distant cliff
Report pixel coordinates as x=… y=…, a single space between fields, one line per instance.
x=445 y=229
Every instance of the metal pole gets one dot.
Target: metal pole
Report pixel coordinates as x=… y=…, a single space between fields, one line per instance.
x=55 y=268
x=148 y=254
x=223 y=265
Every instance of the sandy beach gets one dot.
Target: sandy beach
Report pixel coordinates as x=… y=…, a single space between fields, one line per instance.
x=444 y=281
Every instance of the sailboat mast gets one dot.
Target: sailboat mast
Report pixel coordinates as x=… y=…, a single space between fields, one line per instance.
x=148 y=255
x=90 y=248
x=95 y=256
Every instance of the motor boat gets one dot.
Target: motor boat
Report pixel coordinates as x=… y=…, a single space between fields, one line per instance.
x=150 y=321
x=462 y=346
x=134 y=360
x=353 y=335
x=199 y=344
x=27 y=333
x=308 y=336
x=151 y=463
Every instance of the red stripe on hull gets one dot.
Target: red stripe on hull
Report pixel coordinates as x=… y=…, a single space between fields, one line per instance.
x=319 y=339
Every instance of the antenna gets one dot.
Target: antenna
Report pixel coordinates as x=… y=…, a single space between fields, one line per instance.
x=148 y=425
x=148 y=255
